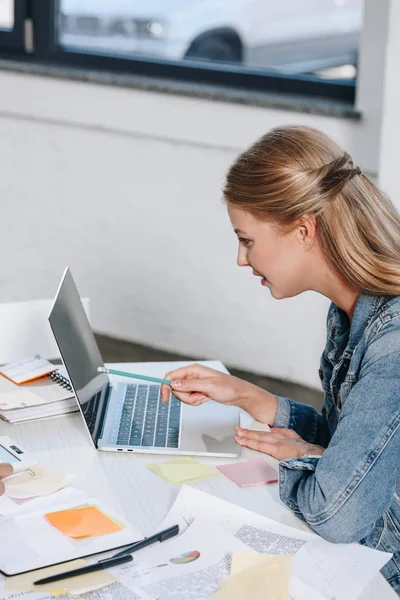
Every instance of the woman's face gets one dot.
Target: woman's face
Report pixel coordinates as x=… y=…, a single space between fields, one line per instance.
x=279 y=260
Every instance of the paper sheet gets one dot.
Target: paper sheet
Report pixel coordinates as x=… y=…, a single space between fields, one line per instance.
x=37 y=481
x=188 y=567
x=182 y=469
x=337 y=571
x=82 y=522
x=75 y=585
x=65 y=497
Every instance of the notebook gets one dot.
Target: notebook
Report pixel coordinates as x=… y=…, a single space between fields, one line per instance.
x=45 y=397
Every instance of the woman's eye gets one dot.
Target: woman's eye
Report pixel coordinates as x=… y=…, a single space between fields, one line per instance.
x=244 y=241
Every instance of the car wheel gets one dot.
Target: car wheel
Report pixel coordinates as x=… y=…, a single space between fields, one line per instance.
x=215 y=48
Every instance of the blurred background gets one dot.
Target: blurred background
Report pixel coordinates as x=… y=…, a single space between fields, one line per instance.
x=118 y=121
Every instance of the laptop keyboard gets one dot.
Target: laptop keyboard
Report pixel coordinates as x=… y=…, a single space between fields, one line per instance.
x=146 y=421
x=90 y=410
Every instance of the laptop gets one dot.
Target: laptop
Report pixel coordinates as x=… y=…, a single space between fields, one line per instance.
x=130 y=417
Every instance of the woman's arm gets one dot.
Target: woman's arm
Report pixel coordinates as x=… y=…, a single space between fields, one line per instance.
x=304 y=420
x=342 y=494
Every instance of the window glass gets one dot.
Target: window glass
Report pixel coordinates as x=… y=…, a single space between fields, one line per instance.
x=288 y=36
x=6 y=14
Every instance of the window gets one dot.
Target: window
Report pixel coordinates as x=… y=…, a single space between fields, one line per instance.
x=7 y=14
x=12 y=15
x=298 y=46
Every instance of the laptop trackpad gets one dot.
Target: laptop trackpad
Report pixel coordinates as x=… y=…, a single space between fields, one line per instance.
x=209 y=429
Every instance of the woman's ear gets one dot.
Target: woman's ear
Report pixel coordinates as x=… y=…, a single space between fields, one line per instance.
x=307 y=231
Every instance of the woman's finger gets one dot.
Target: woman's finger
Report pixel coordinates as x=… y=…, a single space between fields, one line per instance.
x=260 y=445
x=5 y=470
x=256 y=435
x=289 y=433
x=194 y=399
x=165 y=393
x=192 y=371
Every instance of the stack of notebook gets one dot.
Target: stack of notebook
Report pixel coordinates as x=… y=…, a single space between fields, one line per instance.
x=47 y=396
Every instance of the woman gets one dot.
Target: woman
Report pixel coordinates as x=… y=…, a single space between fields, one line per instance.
x=5 y=471
x=308 y=219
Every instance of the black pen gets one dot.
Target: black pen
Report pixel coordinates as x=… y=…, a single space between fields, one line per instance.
x=161 y=536
x=120 y=558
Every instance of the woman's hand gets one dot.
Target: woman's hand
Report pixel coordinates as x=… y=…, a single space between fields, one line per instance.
x=279 y=443
x=5 y=471
x=197 y=384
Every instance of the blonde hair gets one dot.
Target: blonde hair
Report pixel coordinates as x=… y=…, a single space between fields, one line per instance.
x=293 y=171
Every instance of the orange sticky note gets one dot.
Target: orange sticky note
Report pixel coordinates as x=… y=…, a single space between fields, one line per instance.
x=85 y=521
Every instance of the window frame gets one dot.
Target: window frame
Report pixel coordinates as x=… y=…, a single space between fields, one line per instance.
x=47 y=50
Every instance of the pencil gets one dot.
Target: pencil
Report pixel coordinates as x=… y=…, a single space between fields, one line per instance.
x=133 y=375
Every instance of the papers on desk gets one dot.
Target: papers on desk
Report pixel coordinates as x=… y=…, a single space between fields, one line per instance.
x=37 y=399
x=33 y=542
x=330 y=571
x=222 y=550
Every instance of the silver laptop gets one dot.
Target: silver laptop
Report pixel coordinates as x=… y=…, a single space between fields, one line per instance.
x=131 y=417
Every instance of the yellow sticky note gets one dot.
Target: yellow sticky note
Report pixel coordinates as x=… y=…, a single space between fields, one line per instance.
x=74 y=585
x=36 y=481
x=241 y=561
x=86 y=521
x=182 y=469
x=256 y=576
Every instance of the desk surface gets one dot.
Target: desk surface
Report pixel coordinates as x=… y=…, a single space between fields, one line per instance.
x=123 y=482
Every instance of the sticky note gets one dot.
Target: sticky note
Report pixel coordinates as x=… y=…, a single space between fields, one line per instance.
x=36 y=481
x=241 y=561
x=27 y=369
x=182 y=469
x=85 y=521
x=250 y=472
x=256 y=576
x=74 y=585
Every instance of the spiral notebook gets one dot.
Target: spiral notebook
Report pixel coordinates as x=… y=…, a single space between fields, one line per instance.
x=48 y=396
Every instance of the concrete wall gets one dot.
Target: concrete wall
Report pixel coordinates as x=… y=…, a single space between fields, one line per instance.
x=124 y=187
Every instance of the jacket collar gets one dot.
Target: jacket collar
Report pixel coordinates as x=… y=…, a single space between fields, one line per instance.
x=367 y=306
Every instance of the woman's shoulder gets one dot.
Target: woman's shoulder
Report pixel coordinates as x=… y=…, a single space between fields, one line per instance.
x=382 y=334
x=387 y=316
x=390 y=308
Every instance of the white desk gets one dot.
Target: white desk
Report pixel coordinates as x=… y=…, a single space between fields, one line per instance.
x=122 y=480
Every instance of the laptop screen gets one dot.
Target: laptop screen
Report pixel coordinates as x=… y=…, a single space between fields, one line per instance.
x=80 y=354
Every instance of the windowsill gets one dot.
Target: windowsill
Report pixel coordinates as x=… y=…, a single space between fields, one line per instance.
x=275 y=100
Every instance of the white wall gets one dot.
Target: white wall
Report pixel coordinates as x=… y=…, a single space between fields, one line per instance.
x=124 y=187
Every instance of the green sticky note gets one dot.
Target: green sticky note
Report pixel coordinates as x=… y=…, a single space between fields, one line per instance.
x=182 y=469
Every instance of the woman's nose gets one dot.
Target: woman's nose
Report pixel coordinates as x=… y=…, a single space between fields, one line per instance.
x=242 y=258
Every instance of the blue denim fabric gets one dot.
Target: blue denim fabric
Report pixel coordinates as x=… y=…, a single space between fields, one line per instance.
x=352 y=492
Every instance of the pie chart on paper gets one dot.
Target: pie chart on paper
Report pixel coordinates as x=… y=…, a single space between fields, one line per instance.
x=187 y=557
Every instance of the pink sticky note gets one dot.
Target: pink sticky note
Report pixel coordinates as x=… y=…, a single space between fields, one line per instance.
x=250 y=472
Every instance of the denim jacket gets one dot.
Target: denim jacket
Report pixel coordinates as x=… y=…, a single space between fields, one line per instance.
x=352 y=492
